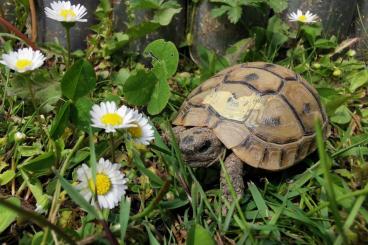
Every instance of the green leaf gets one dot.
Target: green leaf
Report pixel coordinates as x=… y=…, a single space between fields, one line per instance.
x=145 y=4
x=30 y=150
x=77 y=197
x=199 y=236
x=342 y=115
x=139 y=87
x=141 y=30
x=36 y=189
x=358 y=79
x=8 y=216
x=80 y=113
x=40 y=165
x=6 y=177
x=61 y=121
x=234 y=14
x=258 y=199
x=325 y=43
x=159 y=98
x=311 y=32
x=216 y=12
x=124 y=216
x=151 y=237
x=164 y=16
x=165 y=58
x=278 y=5
x=79 y=80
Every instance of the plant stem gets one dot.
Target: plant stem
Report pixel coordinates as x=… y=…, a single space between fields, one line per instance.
x=33 y=98
x=12 y=28
x=68 y=45
x=112 y=147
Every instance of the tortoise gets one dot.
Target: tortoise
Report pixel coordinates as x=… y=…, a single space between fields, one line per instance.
x=263 y=113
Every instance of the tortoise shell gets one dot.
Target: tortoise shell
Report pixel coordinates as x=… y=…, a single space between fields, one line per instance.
x=263 y=112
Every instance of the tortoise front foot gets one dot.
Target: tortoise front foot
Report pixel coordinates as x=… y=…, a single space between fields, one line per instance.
x=234 y=167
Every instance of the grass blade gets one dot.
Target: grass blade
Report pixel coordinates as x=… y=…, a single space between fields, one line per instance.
x=258 y=199
x=325 y=163
x=39 y=220
x=77 y=197
x=124 y=216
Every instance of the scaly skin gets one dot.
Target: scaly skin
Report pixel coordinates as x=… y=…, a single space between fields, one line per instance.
x=201 y=148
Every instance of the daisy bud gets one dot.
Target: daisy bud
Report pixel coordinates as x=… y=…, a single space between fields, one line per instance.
x=19 y=136
x=337 y=72
x=351 y=53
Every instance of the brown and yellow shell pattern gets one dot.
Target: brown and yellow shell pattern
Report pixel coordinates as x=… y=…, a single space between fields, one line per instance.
x=263 y=112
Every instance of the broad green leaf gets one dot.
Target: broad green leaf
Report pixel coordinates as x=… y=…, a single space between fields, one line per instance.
x=77 y=197
x=164 y=56
x=121 y=77
x=30 y=150
x=278 y=5
x=7 y=215
x=311 y=32
x=139 y=87
x=342 y=115
x=6 y=177
x=216 y=12
x=79 y=80
x=164 y=16
x=61 y=121
x=199 y=236
x=325 y=43
x=358 y=79
x=39 y=165
x=159 y=98
x=145 y=4
x=234 y=14
x=80 y=113
x=142 y=30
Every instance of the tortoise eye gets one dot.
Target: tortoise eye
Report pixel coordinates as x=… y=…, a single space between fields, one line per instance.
x=204 y=147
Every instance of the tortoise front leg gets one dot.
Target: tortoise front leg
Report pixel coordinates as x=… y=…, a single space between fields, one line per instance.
x=234 y=167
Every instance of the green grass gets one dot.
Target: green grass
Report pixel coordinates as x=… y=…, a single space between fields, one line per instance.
x=321 y=200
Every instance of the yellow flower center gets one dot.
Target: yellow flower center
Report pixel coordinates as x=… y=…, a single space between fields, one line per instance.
x=112 y=119
x=135 y=132
x=103 y=184
x=21 y=64
x=302 y=18
x=65 y=13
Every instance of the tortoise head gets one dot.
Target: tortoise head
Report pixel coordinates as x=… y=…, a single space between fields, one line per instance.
x=199 y=145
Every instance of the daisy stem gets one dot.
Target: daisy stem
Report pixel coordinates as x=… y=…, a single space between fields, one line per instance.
x=68 y=45
x=33 y=98
x=112 y=147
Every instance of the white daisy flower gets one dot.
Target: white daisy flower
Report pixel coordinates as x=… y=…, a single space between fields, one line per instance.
x=25 y=59
x=110 y=183
x=308 y=17
x=64 y=11
x=143 y=132
x=107 y=116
